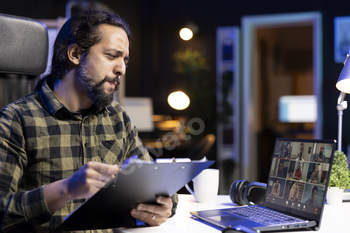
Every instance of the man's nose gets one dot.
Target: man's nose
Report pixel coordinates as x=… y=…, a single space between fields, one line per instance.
x=120 y=67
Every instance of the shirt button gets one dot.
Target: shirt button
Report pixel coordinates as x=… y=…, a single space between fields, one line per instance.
x=86 y=144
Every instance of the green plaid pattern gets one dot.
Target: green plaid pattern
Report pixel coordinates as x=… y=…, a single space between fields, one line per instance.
x=42 y=142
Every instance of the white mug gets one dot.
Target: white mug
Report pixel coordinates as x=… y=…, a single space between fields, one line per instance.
x=205 y=185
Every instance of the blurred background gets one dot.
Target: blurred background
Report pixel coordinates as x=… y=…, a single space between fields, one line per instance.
x=252 y=71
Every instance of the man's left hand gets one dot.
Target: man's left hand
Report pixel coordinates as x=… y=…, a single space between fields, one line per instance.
x=154 y=215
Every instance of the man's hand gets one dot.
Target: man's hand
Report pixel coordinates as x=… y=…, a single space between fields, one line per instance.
x=90 y=178
x=84 y=183
x=154 y=215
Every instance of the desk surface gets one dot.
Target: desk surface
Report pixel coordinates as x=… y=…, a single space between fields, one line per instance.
x=335 y=218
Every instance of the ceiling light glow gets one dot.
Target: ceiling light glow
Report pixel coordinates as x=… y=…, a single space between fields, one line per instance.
x=178 y=100
x=186 y=34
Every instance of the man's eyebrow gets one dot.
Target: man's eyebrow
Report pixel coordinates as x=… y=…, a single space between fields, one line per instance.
x=117 y=51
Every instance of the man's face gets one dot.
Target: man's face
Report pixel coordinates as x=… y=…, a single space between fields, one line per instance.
x=100 y=70
x=316 y=169
x=321 y=149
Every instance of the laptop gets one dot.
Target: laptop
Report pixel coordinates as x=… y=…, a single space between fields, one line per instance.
x=295 y=192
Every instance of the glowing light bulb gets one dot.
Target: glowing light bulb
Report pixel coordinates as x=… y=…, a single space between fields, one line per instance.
x=186 y=34
x=178 y=100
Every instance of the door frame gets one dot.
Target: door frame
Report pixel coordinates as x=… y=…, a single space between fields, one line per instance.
x=249 y=102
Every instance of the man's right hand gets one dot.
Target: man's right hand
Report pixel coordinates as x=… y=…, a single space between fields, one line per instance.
x=84 y=183
x=90 y=178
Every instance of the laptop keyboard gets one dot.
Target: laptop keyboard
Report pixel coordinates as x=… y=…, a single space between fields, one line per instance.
x=263 y=216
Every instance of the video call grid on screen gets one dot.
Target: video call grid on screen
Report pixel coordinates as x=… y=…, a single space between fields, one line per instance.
x=298 y=175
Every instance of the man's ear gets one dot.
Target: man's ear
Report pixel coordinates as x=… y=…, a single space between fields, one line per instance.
x=74 y=54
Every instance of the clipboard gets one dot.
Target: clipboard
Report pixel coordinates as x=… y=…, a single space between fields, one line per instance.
x=137 y=183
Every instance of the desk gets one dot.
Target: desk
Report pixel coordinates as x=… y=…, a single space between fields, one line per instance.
x=336 y=219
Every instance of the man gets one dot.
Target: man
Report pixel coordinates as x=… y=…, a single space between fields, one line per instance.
x=280 y=171
x=63 y=143
x=300 y=154
x=320 y=156
x=297 y=173
x=314 y=176
x=312 y=200
x=280 y=155
x=285 y=150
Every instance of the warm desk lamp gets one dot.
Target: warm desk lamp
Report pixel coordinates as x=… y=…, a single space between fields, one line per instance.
x=343 y=85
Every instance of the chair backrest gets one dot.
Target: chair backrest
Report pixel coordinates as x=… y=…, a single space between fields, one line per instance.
x=23 y=45
x=201 y=149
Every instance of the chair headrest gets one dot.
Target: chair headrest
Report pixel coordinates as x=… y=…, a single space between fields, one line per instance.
x=23 y=45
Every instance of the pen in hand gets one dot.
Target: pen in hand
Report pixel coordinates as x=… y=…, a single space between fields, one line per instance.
x=125 y=164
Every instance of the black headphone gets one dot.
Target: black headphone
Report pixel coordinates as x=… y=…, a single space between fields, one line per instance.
x=243 y=192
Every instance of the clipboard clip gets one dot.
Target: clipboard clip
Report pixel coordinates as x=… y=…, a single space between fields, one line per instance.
x=173 y=160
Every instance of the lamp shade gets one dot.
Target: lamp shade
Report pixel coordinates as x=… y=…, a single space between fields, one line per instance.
x=343 y=83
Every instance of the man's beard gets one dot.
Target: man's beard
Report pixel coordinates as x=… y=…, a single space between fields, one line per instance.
x=96 y=92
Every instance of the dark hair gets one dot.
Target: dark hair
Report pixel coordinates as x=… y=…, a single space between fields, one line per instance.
x=82 y=29
x=314 y=188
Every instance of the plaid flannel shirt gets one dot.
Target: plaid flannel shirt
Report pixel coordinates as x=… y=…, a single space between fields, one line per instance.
x=41 y=141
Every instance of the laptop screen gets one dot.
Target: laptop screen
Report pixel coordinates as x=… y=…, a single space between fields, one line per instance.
x=299 y=175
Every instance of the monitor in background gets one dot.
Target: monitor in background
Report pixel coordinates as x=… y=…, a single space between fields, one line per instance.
x=140 y=110
x=297 y=108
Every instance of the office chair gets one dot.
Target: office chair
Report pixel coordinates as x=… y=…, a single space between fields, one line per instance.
x=23 y=56
x=23 y=45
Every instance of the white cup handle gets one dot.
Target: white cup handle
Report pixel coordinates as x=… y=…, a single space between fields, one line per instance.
x=189 y=190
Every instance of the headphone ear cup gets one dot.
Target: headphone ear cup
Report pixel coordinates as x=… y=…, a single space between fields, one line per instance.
x=233 y=190
x=237 y=191
x=254 y=193
x=239 y=195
